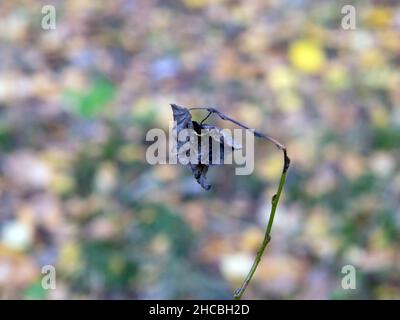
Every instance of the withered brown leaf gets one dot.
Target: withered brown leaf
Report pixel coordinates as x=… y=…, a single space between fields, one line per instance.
x=203 y=152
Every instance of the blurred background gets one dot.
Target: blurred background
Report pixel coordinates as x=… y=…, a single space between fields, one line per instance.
x=77 y=193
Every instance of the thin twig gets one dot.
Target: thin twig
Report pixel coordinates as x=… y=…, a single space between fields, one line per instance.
x=255 y=132
x=275 y=199
x=209 y=114
x=267 y=238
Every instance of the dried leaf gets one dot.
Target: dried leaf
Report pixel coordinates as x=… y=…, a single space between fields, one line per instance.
x=203 y=135
x=222 y=136
x=199 y=173
x=183 y=120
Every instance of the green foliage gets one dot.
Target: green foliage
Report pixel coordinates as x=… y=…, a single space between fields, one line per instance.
x=35 y=291
x=92 y=102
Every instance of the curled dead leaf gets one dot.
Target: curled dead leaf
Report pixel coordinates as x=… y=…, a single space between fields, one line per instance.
x=209 y=144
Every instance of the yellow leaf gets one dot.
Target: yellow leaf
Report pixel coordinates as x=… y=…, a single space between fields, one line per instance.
x=372 y=57
x=317 y=223
x=69 y=257
x=307 y=56
x=289 y=101
x=377 y=239
x=379 y=17
x=195 y=4
x=379 y=116
x=251 y=239
x=336 y=77
x=62 y=183
x=282 y=77
x=272 y=167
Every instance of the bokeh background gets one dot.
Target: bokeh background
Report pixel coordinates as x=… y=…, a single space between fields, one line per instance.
x=76 y=191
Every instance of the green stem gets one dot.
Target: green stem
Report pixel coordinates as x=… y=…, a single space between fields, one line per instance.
x=267 y=238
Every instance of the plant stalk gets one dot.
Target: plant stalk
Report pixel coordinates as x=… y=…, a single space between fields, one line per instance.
x=267 y=238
